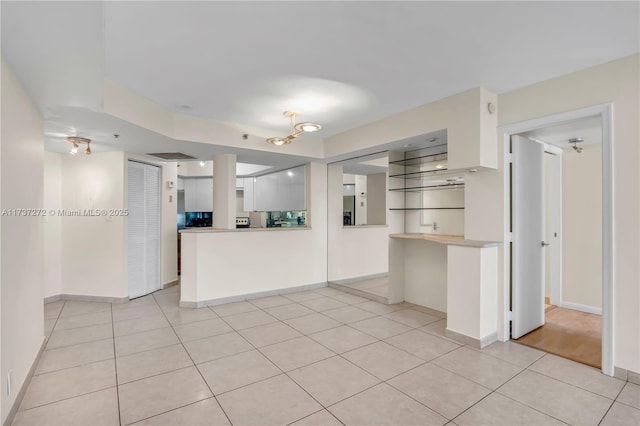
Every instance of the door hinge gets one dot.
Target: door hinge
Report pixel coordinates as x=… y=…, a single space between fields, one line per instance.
x=510 y=237
x=509 y=315
x=509 y=158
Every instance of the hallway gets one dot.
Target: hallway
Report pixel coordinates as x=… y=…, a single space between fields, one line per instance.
x=570 y=334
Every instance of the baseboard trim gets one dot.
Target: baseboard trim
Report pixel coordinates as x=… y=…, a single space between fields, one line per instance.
x=25 y=385
x=583 y=308
x=52 y=299
x=471 y=341
x=170 y=284
x=360 y=293
x=361 y=278
x=83 y=298
x=249 y=296
x=430 y=311
x=626 y=375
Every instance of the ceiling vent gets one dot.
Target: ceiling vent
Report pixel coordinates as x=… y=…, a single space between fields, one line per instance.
x=171 y=155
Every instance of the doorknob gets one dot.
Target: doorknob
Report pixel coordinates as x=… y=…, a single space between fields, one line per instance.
x=543 y=244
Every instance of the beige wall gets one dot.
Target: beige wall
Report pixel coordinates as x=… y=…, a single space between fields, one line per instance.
x=22 y=258
x=52 y=225
x=377 y=199
x=582 y=227
x=88 y=255
x=617 y=83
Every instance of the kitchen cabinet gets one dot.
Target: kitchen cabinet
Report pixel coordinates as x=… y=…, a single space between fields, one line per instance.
x=248 y=199
x=281 y=191
x=198 y=194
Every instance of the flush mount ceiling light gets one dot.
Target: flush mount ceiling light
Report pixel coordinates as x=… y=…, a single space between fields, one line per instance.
x=296 y=130
x=575 y=142
x=76 y=142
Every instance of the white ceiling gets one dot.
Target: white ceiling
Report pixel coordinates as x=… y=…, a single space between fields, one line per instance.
x=342 y=64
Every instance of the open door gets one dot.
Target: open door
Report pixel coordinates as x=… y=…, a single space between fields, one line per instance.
x=527 y=220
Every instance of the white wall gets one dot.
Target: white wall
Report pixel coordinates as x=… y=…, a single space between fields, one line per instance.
x=94 y=248
x=582 y=226
x=618 y=83
x=22 y=257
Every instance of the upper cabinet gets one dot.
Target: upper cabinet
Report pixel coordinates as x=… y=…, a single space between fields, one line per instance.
x=473 y=138
x=280 y=191
x=198 y=194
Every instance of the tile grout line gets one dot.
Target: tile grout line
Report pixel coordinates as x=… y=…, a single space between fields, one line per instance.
x=282 y=372
x=519 y=402
x=115 y=366
x=213 y=395
x=571 y=384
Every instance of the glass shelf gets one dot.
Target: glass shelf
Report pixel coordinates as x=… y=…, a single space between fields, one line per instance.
x=427 y=208
x=421 y=174
x=421 y=159
x=429 y=187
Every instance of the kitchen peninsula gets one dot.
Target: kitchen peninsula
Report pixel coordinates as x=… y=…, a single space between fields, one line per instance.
x=449 y=274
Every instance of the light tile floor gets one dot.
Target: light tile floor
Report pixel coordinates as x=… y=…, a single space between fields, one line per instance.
x=318 y=357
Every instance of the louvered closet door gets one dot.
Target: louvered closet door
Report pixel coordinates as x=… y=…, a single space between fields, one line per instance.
x=143 y=237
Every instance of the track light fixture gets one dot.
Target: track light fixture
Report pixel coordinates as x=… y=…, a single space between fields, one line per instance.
x=76 y=141
x=575 y=142
x=296 y=130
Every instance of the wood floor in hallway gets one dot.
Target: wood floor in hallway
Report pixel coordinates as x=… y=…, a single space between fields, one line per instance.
x=570 y=334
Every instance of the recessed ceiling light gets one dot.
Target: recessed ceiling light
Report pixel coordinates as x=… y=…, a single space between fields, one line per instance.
x=406 y=145
x=202 y=163
x=290 y=173
x=440 y=166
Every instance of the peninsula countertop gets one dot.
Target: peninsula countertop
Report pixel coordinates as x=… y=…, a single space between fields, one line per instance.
x=453 y=240
x=205 y=230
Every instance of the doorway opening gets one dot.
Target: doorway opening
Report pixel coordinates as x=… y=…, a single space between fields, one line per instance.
x=565 y=306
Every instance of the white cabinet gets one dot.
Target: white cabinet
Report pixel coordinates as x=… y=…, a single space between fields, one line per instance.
x=248 y=200
x=190 y=195
x=205 y=194
x=198 y=194
x=280 y=191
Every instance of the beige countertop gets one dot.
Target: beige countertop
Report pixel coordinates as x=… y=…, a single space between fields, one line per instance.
x=453 y=240
x=209 y=230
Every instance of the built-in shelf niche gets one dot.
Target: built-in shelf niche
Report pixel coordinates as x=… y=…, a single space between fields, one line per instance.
x=432 y=193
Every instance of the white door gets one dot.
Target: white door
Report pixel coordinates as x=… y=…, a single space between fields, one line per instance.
x=143 y=229
x=527 y=220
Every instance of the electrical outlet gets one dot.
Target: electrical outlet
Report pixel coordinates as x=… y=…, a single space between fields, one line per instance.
x=9 y=382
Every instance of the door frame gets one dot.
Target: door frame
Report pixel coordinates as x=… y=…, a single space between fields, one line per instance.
x=128 y=159
x=605 y=112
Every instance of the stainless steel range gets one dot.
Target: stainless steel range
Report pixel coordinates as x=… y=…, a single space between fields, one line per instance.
x=242 y=222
